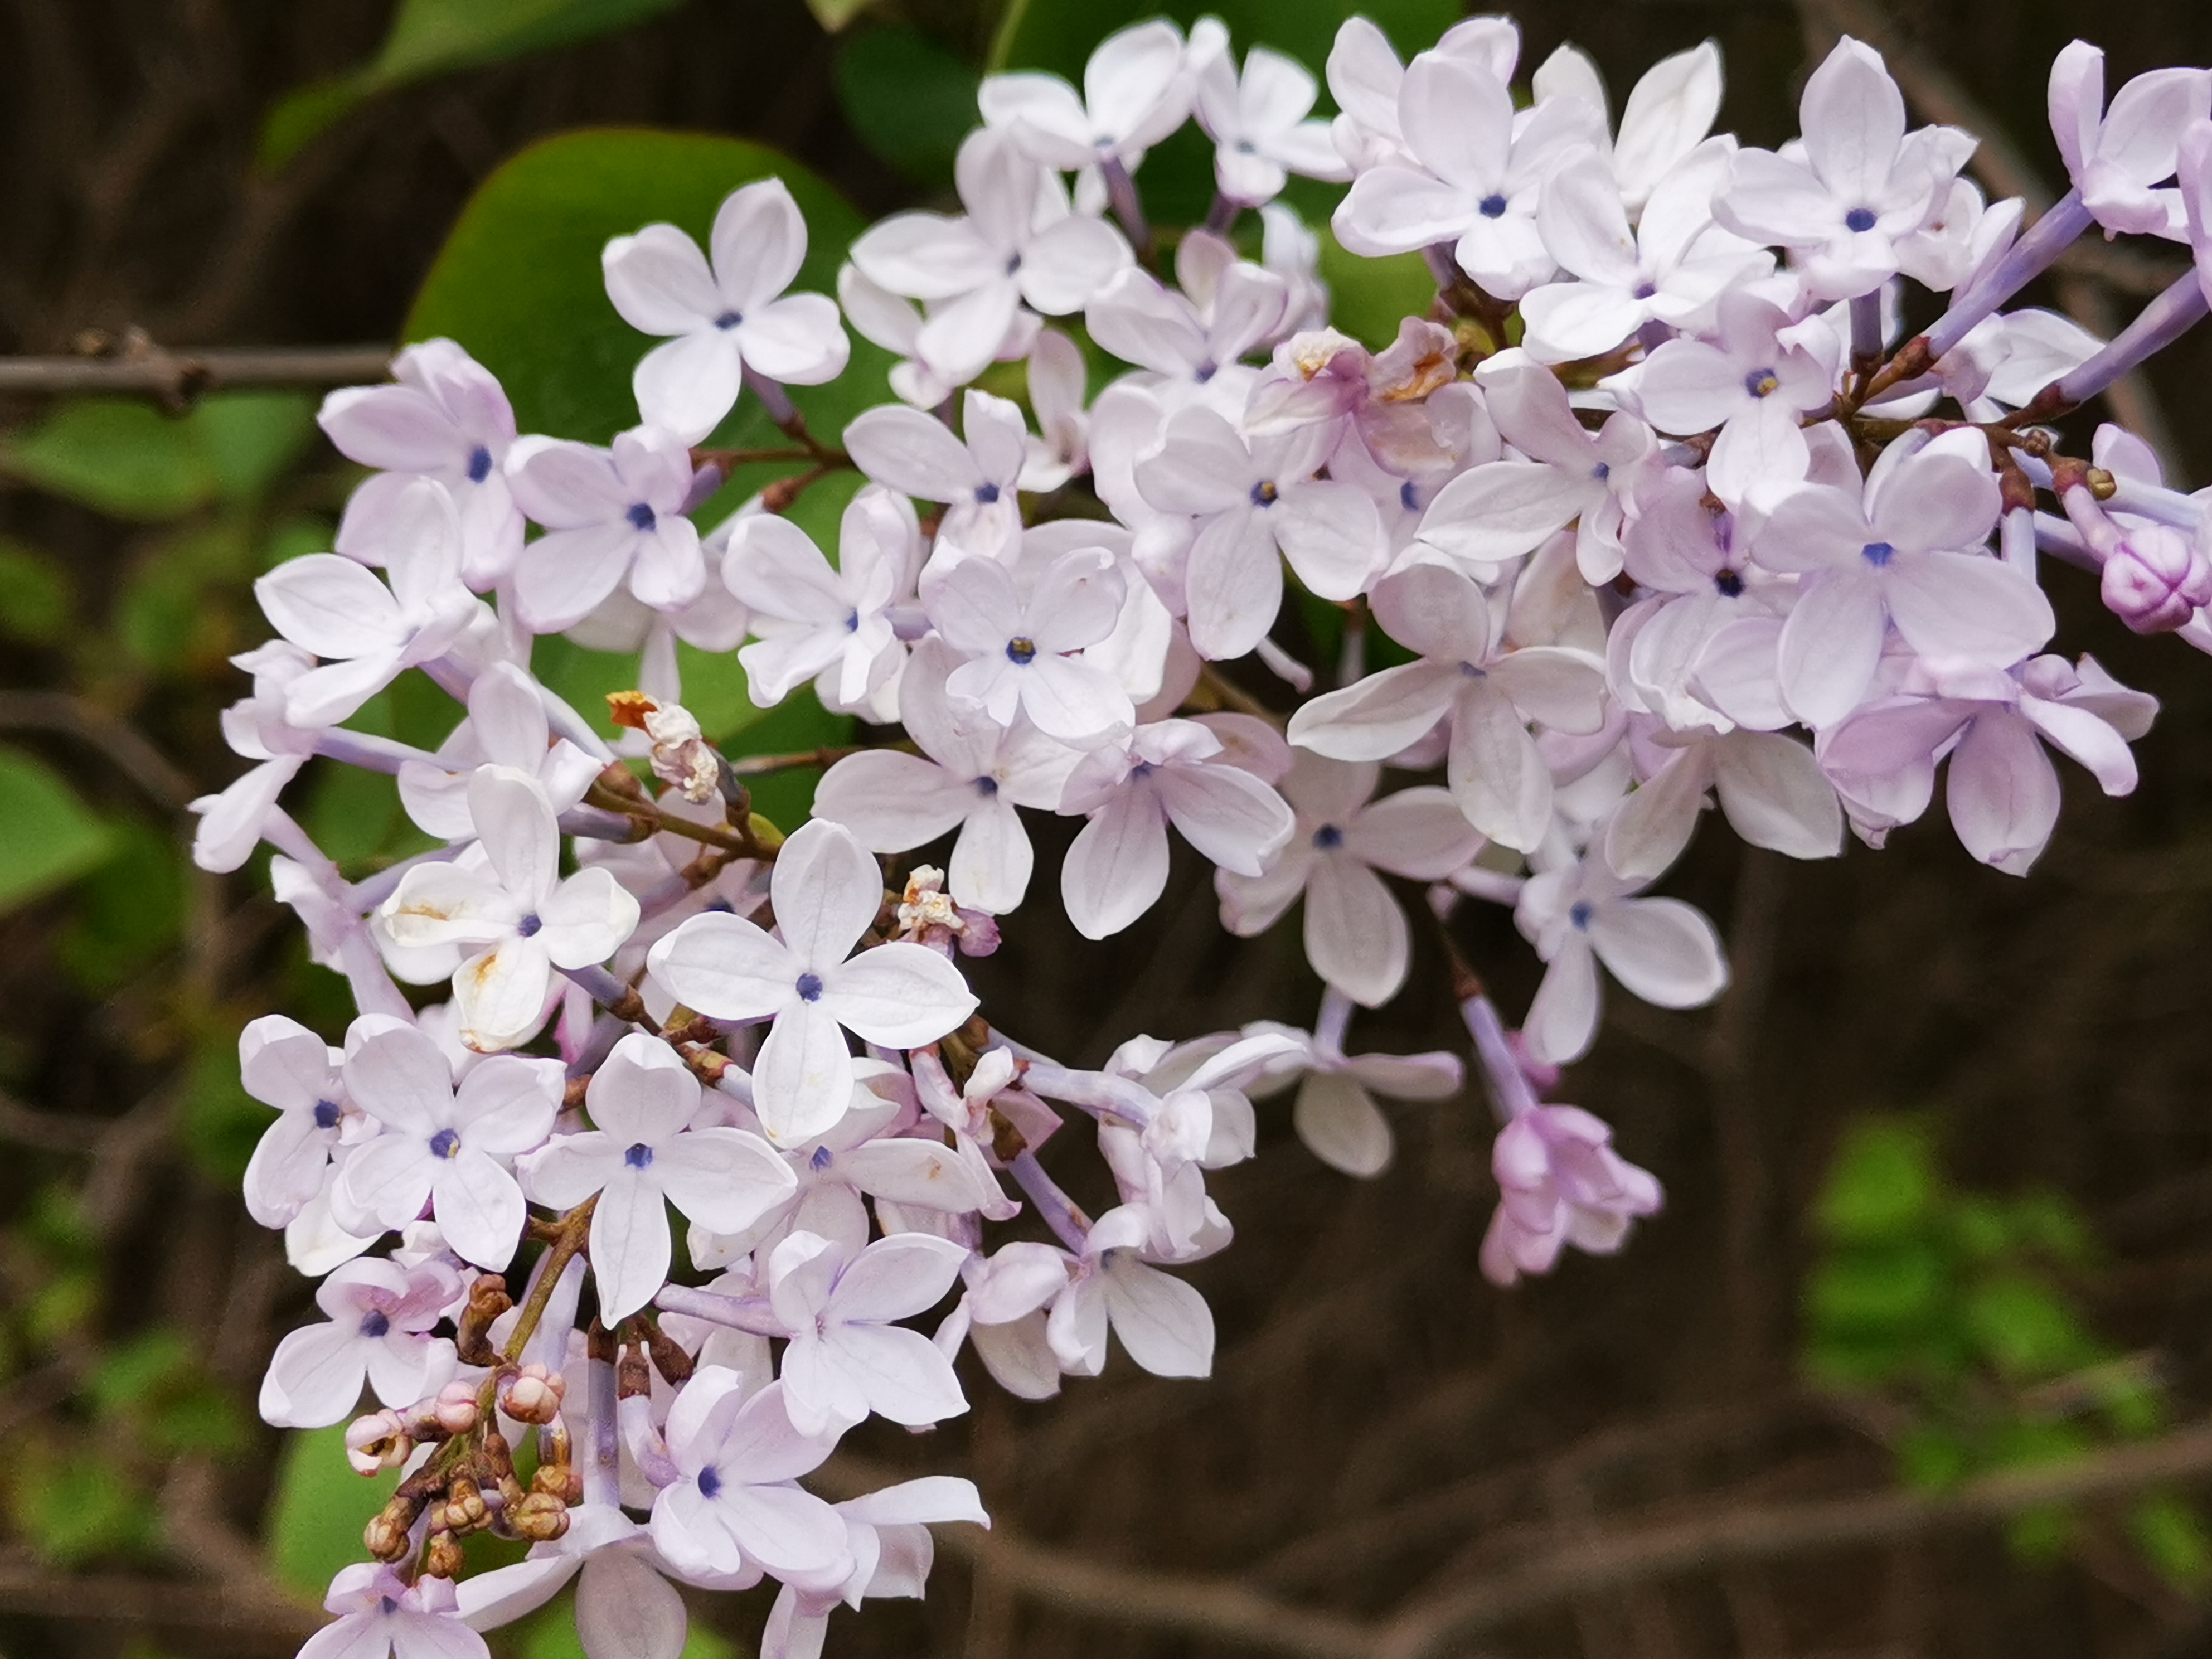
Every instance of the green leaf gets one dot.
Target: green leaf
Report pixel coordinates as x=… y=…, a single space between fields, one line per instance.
x=37 y=597
x=1879 y=1292
x=911 y=99
x=129 y=910
x=179 y=605
x=2027 y=1333
x=833 y=15
x=1933 y=1458
x=1883 y=1184
x=320 y=1509
x=125 y=458
x=219 y=1122
x=434 y=37
x=2171 y=1536
x=75 y=1506
x=47 y=837
x=798 y=722
x=522 y=268
x=1371 y=297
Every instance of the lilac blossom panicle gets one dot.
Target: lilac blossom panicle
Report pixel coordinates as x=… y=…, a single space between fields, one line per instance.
x=1652 y=507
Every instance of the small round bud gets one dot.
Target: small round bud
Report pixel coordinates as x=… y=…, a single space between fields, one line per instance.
x=465 y=1509
x=539 y=1517
x=2155 y=581
x=377 y=1442
x=533 y=1395
x=455 y=1407
x=386 y=1536
x=443 y=1558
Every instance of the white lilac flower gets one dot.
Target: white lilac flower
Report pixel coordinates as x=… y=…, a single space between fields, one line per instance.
x=847 y=1358
x=378 y=1329
x=735 y=1502
x=612 y=517
x=1257 y=121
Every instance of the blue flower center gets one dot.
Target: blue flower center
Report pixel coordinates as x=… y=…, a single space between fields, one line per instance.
x=1406 y=499
x=729 y=320
x=1729 y=585
x=853 y=622
x=479 y=464
x=376 y=1323
x=1327 y=838
x=710 y=1482
x=1205 y=372
x=639 y=1157
x=447 y=1143
x=327 y=1115
x=821 y=1158
x=986 y=787
x=529 y=925
x=1601 y=472
x=1492 y=207
x=1859 y=220
x=1264 y=494
x=1645 y=290
x=387 y=1606
x=1013 y=263
x=809 y=986
x=1762 y=383
x=987 y=493
x=1877 y=554
x=643 y=516
x=1019 y=650
x=1579 y=914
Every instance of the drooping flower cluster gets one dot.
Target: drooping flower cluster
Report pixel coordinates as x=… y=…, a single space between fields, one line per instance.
x=1653 y=507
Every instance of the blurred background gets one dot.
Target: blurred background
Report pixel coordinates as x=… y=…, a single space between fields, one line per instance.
x=1915 y=1363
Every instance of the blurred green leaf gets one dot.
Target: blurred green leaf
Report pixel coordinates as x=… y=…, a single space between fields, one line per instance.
x=36 y=595
x=320 y=1507
x=129 y=910
x=434 y=37
x=295 y=535
x=1933 y=1458
x=352 y=812
x=798 y=722
x=219 y=1122
x=47 y=837
x=2027 y=1333
x=909 y=97
x=2172 y=1538
x=1371 y=297
x=1883 y=1184
x=180 y=604
x=1885 y=1291
x=125 y=458
x=75 y=1506
x=833 y=15
x=522 y=267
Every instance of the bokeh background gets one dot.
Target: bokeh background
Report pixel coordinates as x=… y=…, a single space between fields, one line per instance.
x=1914 y=1365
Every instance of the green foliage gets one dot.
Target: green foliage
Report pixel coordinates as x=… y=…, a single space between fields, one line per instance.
x=1961 y=1313
x=911 y=99
x=319 y=1508
x=218 y=1122
x=78 y=1504
x=129 y=910
x=128 y=459
x=37 y=597
x=152 y=1387
x=436 y=37
x=522 y=267
x=48 y=837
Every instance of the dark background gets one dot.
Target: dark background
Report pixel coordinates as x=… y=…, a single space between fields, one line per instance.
x=1382 y=1424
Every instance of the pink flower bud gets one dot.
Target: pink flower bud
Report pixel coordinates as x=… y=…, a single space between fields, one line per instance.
x=455 y=1407
x=377 y=1442
x=533 y=1395
x=2155 y=581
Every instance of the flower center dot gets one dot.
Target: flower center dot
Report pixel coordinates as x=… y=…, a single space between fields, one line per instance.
x=326 y=1115
x=479 y=464
x=639 y=1157
x=809 y=988
x=1877 y=554
x=529 y=925
x=1728 y=585
x=986 y=787
x=376 y=1323
x=1859 y=220
x=1762 y=383
x=1020 y=650
x=710 y=1482
x=643 y=516
x=821 y=1158
x=1013 y=263
x=447 y=1143
x=1580 y=915
x=987 y=493
x=1492 y=207
x=1327 y=838
x=1264 y=494
x=729 y=320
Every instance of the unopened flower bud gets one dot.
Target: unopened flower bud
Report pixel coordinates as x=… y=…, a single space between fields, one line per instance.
x=455 y=1407
x=2155 y=581
x=443 y=1558
x=385 y=1535
x=464 y=1508
x=539 y=1517
x=562 y=1480
x=533 y=1395
x=377 y=1442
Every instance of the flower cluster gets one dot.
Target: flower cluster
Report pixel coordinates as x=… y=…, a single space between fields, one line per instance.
x=1657 y=505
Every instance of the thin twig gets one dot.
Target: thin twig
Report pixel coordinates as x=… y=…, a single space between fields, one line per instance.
x=177 y=377
x=117 y=741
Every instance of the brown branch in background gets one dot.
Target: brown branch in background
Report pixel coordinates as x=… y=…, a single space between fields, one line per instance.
x=177 y=377
x=118 y=742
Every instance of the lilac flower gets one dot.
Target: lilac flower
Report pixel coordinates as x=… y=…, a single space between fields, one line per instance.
x=1355 y=934
x=642 y=1155
x=825 y=891
x=1250 y=500
x=1163 y=1322
x=847 y=1358
x=1754 y=386
x=735 y=1502
x=1259 y=127
x=1863 y=186
x=439 y=1146
x=366 y=634
x=505 y=726
x=1018 y=243
x=284 y=1065
x=1168 y=774
x=1022 y=650
x=1487 y=693
x=257 y=728
x=971 y=774
x=1670 y=109
x=379 y=1319
x=1578 y=915
x=1366 y=76
x=1061 y=448
x=2115 y=156
x=811 y=620
x=887 y=1538
x=1898 y=552
x=916 y=454
x=1560 y=1183
x=446 y=419
x=1770 y=789
x=381 y=1616
x=1334 y=1113
x=726 y=319
x=1137 y=90
x=612 y=516
x=516 y=904
x=1228 y=309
